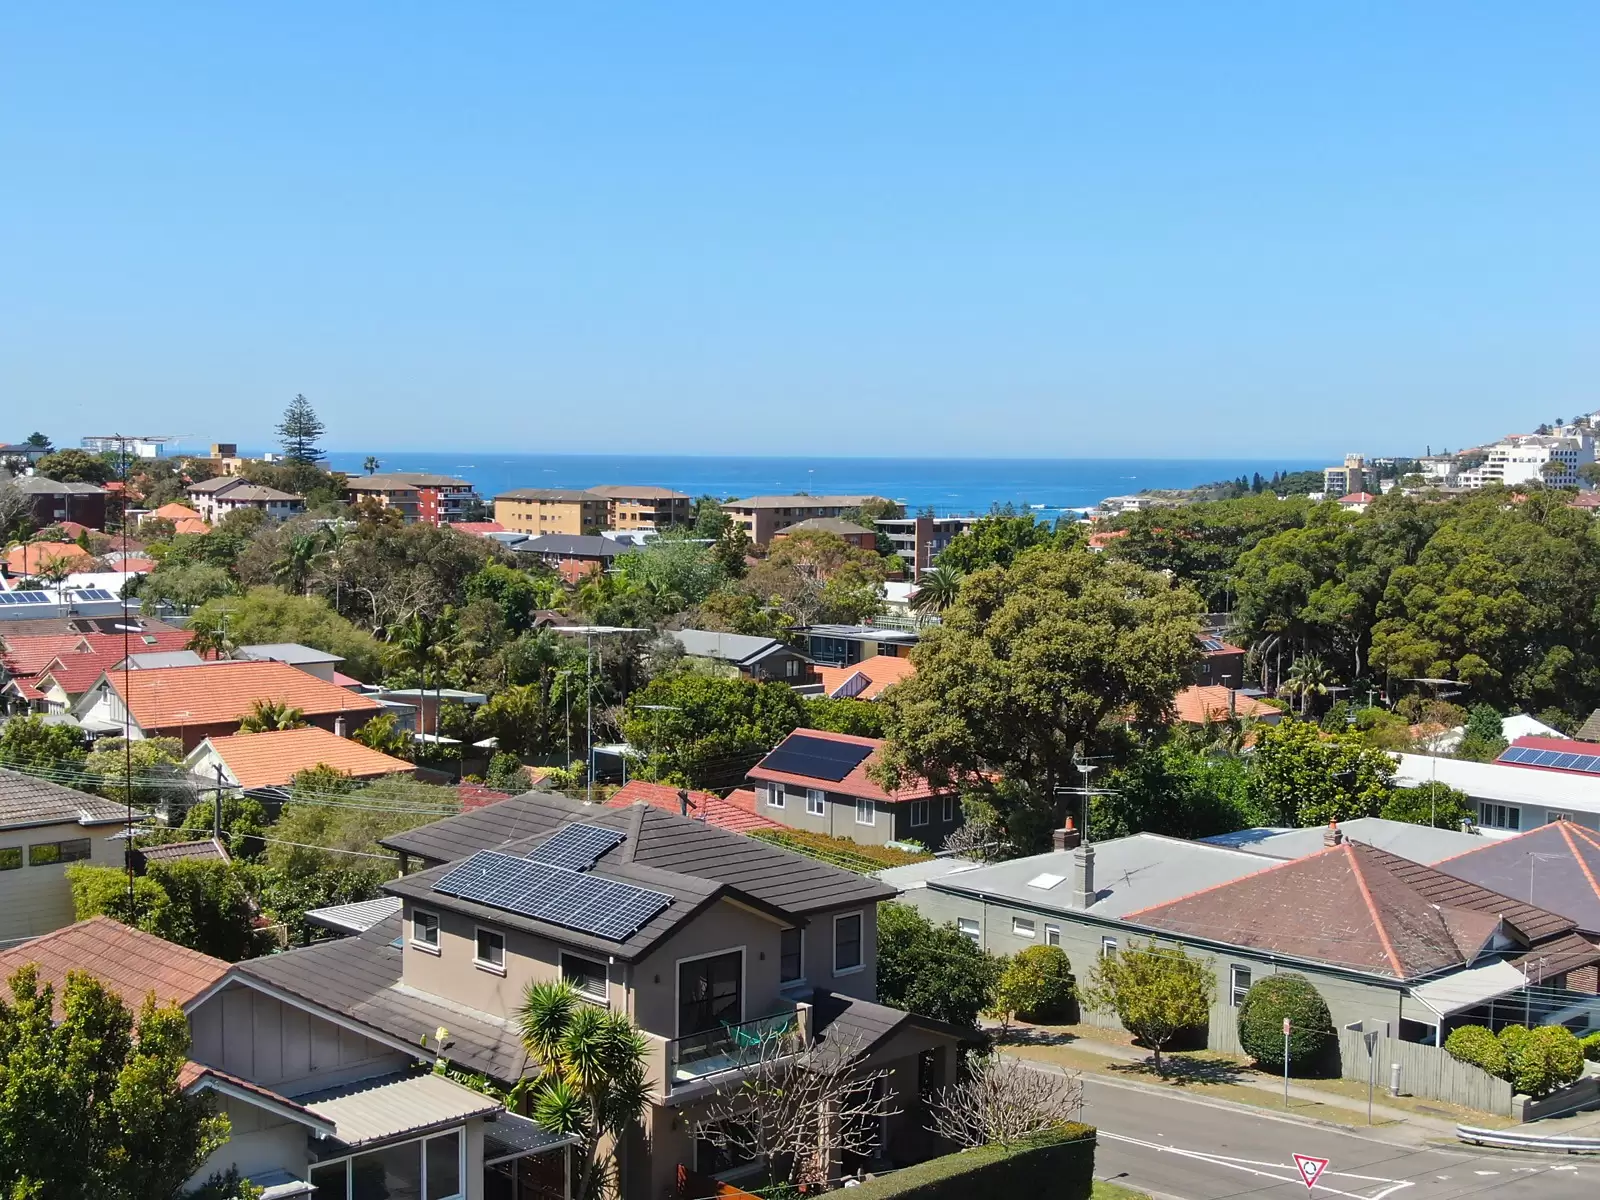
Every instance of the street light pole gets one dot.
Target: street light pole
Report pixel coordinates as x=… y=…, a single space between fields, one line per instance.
x=589 y=633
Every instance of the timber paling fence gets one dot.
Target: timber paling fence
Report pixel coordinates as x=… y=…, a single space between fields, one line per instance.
x=1425 y=1071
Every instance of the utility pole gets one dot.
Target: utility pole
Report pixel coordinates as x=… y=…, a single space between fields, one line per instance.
x=589 y=633
x=216 y=809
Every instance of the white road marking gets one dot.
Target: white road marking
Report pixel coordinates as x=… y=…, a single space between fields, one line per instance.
x=1252 y=1166
x=1486 y=1172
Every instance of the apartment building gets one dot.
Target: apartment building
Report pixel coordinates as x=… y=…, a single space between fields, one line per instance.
x=763 y=516
x=920 y=540
x=418 y=496
x=1524 y=459
x=50 y=502
x=1352 y=477
x=215 y=498
x=552 y=510
x=632 y=507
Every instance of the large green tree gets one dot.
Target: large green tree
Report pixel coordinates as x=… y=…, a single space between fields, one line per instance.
x=705 y=731
x=90 y=1104
x=932 y=969
x=995 y=541
x=269 y=614
x=1175 y=787
x=201 y=904
x=28 y=743
x=300 y=431
x=75 y=466
x=1030 y=669
x=1301 y=776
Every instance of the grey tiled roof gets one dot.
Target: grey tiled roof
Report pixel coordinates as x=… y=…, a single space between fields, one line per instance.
x=855 y=1026
x=28 y=801
x=360 y=977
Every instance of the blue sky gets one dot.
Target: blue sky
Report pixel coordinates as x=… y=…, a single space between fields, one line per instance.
x=1072 y=229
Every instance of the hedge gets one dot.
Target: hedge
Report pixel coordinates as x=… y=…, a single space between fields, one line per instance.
x=1060 y=1167
x=840 y=852
x=1536 y=1061
x=1591 y=1047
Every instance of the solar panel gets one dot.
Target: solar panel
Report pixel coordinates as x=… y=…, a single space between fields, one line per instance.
x=1565 y=761
x=33 y=598
x=544 y=892
x=95 y=594
x=577 y=847
x=818 y=758
x=1210 y=643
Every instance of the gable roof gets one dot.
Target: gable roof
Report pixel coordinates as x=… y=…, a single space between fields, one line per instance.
x=173 y=511
x=31 y=557
x=32 y=655
x=26 y=801
x=1355 y=907
x=219 y=693
x=130 y=962
x=273 y=758
x=856 y=783
x=1558 y=864
x=739 y=648
x=1196 y=705
x=867 y=679
x=736 y=816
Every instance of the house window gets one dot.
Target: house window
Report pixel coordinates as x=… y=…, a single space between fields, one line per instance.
x=791 y=667
x=425 y=930
x=490 y=951
x=866 y=812
x=43 y=854
x=847 y=944
x=967 y=927
x=1022 y=927
x=775 y=795
x=919 y=813
x=710 y=992
x=816 y=803
x=715 y=1157
x=1500 y=816
x=587 y=975
x=791 y=955
x=947 y=809
x=1238 y=985
x=1108 y=947
x=10 y=858
x=1052 y=935
x=428 y=1169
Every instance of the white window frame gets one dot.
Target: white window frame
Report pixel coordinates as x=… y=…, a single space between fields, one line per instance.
x=816 y=802
x=423 y=944
x=947 y=809
x=871 y=810
x=919 y=813
x=974 y=934
x=603 y=997
x=1235 y=994
x=1052 y=935
x=460 y=1132
x=1024 y=927
x=484 y=964
x=1108 y=947
x=775 y=797
x=861 y=943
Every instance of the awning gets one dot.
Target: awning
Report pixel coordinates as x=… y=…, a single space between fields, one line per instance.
x=280 y=1185
x=354 y=918
x=376 y=1110
x=1469 y=988
x=510 y=1136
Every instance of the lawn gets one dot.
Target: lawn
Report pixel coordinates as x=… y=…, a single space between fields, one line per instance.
x=1115 y=1191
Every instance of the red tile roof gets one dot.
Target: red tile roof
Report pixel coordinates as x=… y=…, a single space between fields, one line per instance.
x=881 y=671
x=712 y=809
x=70 y=657
x=475 y=796
x=271 y=759
x=129 y=962
x=857 y=782
x=1558 y=745
x=1357 y=498
x=1099 y=541
x=175 y=512
x=478 y=527
x=1197 y=705
x=32 y=557
x=222 y=693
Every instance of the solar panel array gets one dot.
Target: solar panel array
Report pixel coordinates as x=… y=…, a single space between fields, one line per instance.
x=544 y=892
x=26 y=598
x=1211 y=643
x=1529 y=756
x=817 y=758
x=94 y=594
x=577 y=846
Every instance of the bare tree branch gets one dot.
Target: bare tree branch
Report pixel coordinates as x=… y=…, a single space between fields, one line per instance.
x=1002 y=1101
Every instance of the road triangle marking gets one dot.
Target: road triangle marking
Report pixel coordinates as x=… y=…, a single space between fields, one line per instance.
x=1311 y=1169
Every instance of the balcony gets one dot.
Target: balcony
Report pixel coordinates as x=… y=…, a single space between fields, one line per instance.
x=700 y=1057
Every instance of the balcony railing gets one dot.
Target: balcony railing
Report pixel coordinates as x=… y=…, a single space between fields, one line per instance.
x=698 y=1056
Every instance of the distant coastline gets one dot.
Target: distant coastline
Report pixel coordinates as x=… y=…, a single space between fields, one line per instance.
x=950 y=486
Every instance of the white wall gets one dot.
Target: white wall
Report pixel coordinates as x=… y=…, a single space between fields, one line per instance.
x=36 y=900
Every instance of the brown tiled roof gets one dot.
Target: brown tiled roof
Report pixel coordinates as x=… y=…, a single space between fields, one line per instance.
x=881 y=671
x=712 y=809
x=219 y=693
x=259 y=760
x=1568 y=860
x=208 y=850
x=1354 y=906
x=857 y=782
x=25 y=800
x=129 y=962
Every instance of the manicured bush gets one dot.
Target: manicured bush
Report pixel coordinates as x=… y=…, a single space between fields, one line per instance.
x=1266 y=1004
x=1512 y=1039
x=1037 y=985
x=1591 y=1047
x=1548 y=1058
x=1061 y=1168
x=1476 y=1045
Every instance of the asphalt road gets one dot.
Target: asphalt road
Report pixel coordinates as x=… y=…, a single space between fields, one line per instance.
x=1196 y=1149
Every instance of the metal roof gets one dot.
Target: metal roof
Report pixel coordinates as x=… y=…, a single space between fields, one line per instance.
x=292 y=653
x=728 y=647
x=1503 y=784
x=354 y=918
x=392 y=1106
x=1419 y=843
x=1469 y=988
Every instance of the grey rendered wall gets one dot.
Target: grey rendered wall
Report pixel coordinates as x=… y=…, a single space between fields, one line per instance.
x=722 y=927
x=452 y=973
x=838 y=819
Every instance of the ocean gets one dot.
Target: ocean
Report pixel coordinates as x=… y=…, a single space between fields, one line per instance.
x=950 y=486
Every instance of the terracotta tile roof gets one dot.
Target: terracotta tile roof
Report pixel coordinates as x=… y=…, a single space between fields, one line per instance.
x=1357 y=498
x=856 y=783
x=29 y=655
x=190 y=525
x=1357 y=907
x=726 y=814
x=221 y=693
x=1196 y=705
x=880 y=671
x=135 y=562
x=475 y=795
x=1557 y=745
x=478 y=527
x=78 y=660
x=32 y=557
x=258 y=760
x=129 y=962
x=175 y=512
x=1099 y=541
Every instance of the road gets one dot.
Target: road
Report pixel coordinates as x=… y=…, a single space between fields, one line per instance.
x=1195 y=1149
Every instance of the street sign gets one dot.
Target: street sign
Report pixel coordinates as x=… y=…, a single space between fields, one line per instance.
x=1287 y=1027
x=1311 y=1169
x=1371 y=1039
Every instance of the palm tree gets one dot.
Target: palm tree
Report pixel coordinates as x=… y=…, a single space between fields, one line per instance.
x=591 y=1081
x=269 y=716
x=371 y=465
x=937 y=590
x=1307 y=677
x=301 y=555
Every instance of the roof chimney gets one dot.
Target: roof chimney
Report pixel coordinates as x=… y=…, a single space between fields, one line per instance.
x=1083 y=890
x=1333 y=835
x=1066 y=838
x=339 y=726
x=683 y=802
x=1233 y=702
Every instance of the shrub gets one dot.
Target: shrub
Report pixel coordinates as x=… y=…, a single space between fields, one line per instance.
x=1547 y=1058
x=1061 y=1167
x=1512 y=1039
x=1037 y=985
x=1476 y=1045
x=1261 y=1017
x=1591 y=1047
x=840 y=852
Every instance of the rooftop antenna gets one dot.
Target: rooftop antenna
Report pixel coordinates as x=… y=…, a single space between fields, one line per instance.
x=1085 y=766
x=127 y=707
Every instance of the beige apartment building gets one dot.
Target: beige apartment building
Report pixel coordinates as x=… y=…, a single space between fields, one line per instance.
x=551 y=510
x=634 y=507
x=763 y=516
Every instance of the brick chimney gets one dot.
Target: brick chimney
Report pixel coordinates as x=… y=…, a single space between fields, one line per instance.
x=1333 y=835
x=1066 y=838
x=1083 y=889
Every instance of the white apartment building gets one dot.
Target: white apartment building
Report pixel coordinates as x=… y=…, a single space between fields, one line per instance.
x=1522 y=458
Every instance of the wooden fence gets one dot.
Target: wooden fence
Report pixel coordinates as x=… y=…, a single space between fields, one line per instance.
x=1425 y=1071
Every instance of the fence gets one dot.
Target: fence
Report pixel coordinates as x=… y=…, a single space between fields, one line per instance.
x=1425 y=1071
